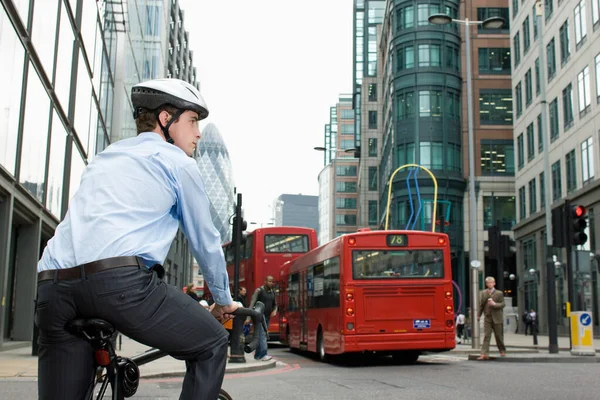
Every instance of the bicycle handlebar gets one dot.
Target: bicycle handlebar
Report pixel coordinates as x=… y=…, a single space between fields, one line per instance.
x=258 y=319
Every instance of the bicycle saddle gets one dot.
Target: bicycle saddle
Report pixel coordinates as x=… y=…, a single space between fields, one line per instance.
x=91 y=328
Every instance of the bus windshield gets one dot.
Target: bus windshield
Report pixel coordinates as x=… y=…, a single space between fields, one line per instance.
x=286 y=244
x=397 y=264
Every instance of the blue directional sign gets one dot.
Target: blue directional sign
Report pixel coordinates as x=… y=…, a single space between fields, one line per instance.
x=585 y=319
x=421 y=323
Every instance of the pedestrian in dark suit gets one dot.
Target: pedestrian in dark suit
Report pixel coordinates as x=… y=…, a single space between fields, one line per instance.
x=491 y=303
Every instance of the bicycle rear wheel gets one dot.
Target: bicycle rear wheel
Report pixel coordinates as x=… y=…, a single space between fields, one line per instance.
x=223 y=395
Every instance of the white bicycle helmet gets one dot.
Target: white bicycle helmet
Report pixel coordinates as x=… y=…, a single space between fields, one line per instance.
x=151 y=95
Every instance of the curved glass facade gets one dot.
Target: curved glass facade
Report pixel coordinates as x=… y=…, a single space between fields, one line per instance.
x=213 y=160
x=423 y=84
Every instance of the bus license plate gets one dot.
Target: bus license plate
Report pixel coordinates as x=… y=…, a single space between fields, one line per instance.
x=421 y=323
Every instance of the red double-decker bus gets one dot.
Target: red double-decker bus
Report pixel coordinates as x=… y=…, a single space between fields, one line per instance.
x=381 y=291
x=264 y=252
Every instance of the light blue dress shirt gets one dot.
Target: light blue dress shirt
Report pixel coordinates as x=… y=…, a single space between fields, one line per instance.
x=131 y=200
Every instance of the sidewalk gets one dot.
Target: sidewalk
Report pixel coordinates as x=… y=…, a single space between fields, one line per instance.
x=17 y=361
x=520 y=348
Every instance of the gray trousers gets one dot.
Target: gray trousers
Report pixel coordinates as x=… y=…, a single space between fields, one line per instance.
x=139 y=305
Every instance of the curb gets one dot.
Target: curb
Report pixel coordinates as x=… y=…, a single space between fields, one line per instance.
x=238 y=369
x=566 y=360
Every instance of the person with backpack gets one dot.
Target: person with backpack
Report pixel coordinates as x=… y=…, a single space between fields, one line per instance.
x=266 y=295
x=527 y=320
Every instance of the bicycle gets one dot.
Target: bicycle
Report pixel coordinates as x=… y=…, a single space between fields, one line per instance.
x=121 y=372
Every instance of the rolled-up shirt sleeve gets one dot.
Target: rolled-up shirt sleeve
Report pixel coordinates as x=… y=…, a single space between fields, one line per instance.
x=204 y=238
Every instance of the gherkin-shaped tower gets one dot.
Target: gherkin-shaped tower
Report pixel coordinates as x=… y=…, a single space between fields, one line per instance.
x=213 y=160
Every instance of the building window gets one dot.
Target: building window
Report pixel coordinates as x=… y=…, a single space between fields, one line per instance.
x=430 y=103
x=494 y=60
x=345 y=219
x=424 y=11
x=580 y=28
x=565 y=52
x=372 y=119
x=430 y=55
x=372 y=212
x=532 y=197
x=497 y=157
x=535 y=25
x=571 y=167
x=406 y=58
x=344 y=203
x=345 y=170
x=556 y=181
x=495 y=107
x=453 y=57
x=583 y=85
x=452 y=105
x=515 y=8
x=598 y=77
x=549 y=9
x=517 y=48
x=587 y=160
x=346 y=144
x=530 y=142
x=537 y=76
x=373 y=147
x=595 y=13
x=406 y=154
x=372 y=92
x=485 y=13
x=372 y=178
x=567 y=95
x=405 y=105
x=553 y=108
x=551 y=58
x=453 y=157
x=345 y=187
x=530 y=284
x=347 y=114
x=539 y=135
x=542 y=190
x=519 y=99
x=431 y=155
x=528 y=88
x=347 y=129
x=526 y=35
x=499 y=209
x=405 y=19
x=521 y=151
x=522 y=203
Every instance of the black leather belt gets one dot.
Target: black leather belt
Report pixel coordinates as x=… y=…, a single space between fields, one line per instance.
x=90 y=268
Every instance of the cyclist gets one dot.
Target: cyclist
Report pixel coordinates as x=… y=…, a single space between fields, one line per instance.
x=104 y=259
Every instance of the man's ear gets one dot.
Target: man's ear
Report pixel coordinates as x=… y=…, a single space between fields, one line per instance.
x=164 y=117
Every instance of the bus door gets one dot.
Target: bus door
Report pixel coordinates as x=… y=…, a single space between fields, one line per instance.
x=303 y=308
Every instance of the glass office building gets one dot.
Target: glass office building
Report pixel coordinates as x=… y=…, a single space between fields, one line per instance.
x=65 y=65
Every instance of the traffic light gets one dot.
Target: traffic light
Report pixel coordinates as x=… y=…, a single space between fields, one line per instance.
x=493 y=242
x=578 y=224
x=558 y=226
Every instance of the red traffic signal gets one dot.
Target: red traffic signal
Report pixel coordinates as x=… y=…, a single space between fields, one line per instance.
x=578 y=219
x=579 y=211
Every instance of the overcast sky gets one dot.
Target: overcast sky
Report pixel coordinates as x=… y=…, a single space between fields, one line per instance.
x=269 y=70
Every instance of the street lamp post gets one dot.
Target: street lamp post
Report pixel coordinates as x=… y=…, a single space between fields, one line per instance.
x=334 y=150
x=490 y=23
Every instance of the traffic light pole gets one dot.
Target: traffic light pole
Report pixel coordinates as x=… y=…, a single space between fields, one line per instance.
x=550 y=277
x=237 y=337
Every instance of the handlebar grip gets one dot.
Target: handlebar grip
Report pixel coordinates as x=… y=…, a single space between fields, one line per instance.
x=258 y=319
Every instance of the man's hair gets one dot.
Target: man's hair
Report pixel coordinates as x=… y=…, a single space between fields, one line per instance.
x=490 y=279
x=147 y=121
x=241 y=288
x=269 y=277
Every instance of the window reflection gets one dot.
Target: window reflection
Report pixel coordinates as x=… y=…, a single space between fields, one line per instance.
x=11 y=74
x=77 y=168
x=82 y=103
x=89 y=17
x=35 y=136
x=43 y=32
x=56 y=165
x=62 y=83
